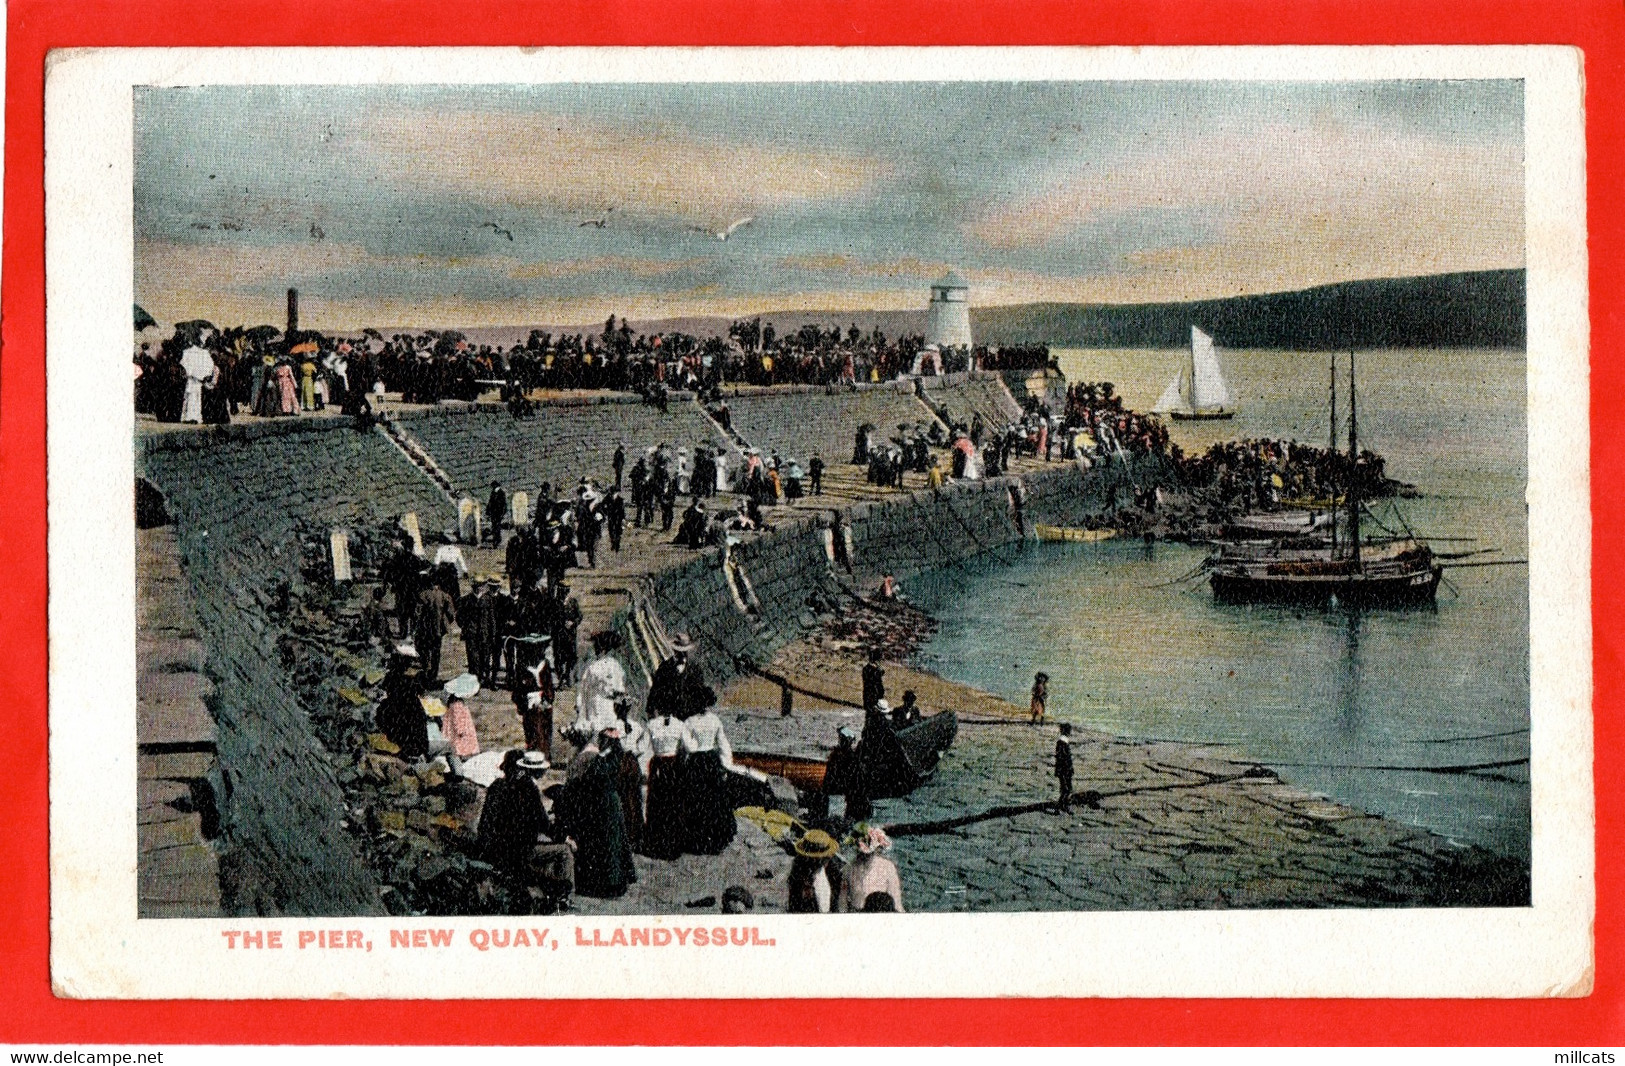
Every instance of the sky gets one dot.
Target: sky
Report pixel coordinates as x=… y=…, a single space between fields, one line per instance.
x=476 y=205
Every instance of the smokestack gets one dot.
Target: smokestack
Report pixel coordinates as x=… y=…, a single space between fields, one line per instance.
x=293 y=311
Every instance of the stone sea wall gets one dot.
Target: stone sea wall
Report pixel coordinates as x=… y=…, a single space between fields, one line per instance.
x=796 y=421
x=961 y=396
x=767 y=593
x=238 y=497
x=565 y=441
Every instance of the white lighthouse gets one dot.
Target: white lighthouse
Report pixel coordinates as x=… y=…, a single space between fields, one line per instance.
x=947 y=323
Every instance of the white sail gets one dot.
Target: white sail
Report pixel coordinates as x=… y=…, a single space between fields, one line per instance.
x=1208 y=390
x=1173 y=397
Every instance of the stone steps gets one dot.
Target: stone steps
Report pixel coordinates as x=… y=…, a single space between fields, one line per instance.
x=177 y=867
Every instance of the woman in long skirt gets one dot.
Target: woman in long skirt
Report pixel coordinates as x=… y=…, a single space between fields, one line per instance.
x=629 y=784
x=265 y=401
x=592 y=815
x=669 y=740
x=307 y=385
x=708 y=817
x=286 y=392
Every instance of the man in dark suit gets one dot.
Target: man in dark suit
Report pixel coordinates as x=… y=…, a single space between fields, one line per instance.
x=1063 y=767
x=675 y=688
x=477 y=618
x=496 y=511
x=874 y=682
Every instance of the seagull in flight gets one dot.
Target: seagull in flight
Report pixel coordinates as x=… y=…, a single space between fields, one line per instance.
x=497 y=230
x=724 y=234
x=316 y=232
x=599 y=222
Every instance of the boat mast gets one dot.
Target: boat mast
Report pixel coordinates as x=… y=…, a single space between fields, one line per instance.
x=1333 y=446
x=1354 y=471
x=1190 y=376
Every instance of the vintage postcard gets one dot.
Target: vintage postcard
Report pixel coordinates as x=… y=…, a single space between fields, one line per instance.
x=968 y=522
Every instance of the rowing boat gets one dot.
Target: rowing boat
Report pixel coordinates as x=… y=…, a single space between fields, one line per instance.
x=892 y=762
x=1066 y=533
x=805 y=773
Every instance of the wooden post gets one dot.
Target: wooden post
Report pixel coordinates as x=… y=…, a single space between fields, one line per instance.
x=338 y=542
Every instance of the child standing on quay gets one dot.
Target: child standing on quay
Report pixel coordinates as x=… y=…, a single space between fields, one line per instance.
x=1040 y=697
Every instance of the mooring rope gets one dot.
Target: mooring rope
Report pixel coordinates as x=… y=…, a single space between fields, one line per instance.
x=1088 y=797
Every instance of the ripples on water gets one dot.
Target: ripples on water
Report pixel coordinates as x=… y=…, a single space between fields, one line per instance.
x=1325 y=690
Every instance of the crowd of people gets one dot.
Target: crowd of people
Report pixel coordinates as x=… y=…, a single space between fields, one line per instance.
x=1097 y=420
x=657 y=780
x=204 y=374
x=1262 y=474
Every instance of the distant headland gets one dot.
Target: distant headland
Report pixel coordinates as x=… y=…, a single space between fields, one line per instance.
x=1477 y=309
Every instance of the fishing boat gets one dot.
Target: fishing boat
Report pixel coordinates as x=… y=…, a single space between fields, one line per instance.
x=1198 y=391
x=1397 y=573
x=1071 y=533
x=1271 y=525
x=894 y=762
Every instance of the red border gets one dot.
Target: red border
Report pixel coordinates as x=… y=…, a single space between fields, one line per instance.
x=32 y=1014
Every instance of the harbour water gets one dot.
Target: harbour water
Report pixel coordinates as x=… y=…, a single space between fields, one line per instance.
x=1352 y=705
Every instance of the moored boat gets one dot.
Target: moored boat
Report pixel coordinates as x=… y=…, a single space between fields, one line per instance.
x=1273 y=524
x=1409 y=578
x=1071 y=533
x=1398 y=573
x=894 y=762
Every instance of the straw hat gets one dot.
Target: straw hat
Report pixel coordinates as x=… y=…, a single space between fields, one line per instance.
x=534 y=761
x=817 y=844
x=463 y=686
x=882 y=706
x=680 y=642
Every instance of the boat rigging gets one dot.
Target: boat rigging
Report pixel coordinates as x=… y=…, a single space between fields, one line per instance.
x=1399 y=572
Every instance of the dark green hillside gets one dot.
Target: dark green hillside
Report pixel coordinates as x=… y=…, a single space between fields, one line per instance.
x=1480 y=309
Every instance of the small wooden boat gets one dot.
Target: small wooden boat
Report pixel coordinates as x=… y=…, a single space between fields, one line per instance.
x=807 y=774
x=1067 y=533
x=1276 y=524
x=894 y=762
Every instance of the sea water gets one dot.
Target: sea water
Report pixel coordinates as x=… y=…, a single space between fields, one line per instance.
x=1365 y=707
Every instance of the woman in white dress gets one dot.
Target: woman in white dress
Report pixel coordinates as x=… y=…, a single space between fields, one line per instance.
x=871 y=874
x=200 y=370
x=601 y=690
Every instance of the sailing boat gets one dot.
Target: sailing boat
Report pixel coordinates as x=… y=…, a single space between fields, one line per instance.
x=1198 y=391
x=1398 y=573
